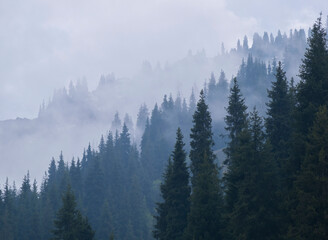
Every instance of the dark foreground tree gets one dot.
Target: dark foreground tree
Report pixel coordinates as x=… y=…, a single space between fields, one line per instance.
x=279 y=125
x=204 y=220
x=278 y=122
x=69 y=222
x=162 y=207
x=172 y=213
x=235 y=119
x=236 y=123
x=311 y=213
x=312 y=89
x=253 y=174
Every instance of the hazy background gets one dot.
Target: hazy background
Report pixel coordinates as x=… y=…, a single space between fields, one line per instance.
x=152 y=47
x=45 y=44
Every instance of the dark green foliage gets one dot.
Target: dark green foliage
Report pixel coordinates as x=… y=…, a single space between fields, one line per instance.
x=69 y=222
x=7 y=228
x=94 y=194
x=236 y=123
x=162 y=207
x=278 y=122
x=279 y=128
x=204 y=220
x=27 y=209
x=235 y=119
x=201 y=136
x=279 y=125
x=313 y=87
x=253 y=175
x=311 y=94
x=310 y=219
x=171 y=220
x=312 y=90
x=179 y=192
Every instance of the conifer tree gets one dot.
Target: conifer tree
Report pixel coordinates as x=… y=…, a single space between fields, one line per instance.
x=69 y=223
x=160 y=226
x=235 y=119
x=204 y=220
x=254 y=213
x=310 y=215
x=179 y=193
x=278 y=121
x=8 y=218
x=171 y=220
x=236 y=123
x=279 y=132
x=312 y=88
x=201 y=136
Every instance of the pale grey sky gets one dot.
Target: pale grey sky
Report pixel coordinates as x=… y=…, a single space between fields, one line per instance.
x=44 y=44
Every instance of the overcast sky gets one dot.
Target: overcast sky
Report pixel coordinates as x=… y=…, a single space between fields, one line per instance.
x=44 y=44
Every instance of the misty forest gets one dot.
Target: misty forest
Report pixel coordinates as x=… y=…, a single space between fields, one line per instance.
x=241 y=158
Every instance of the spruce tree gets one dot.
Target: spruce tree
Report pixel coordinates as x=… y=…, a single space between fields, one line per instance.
x=160 y=226
x=201 y=136
x=279 y=125
x=69 y=222
x=179 y=193
x=236 y=123
x=278 y=121
x=254 y=213
x=310 y=215
x=235 y=119
x=204 y=220
x=312 y=89
x=175 y=190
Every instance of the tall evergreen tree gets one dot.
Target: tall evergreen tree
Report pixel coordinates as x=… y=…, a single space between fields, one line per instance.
x=235 y=119
x=160 y=226
x=310 y=215
x=69 y=223
x=278 y=121
x=279 y=125
x=171 y=220
x=312 y=90
x=204 y=220
x=236 y=123
x=201 y=136
x=254 y=213
x=313 y=87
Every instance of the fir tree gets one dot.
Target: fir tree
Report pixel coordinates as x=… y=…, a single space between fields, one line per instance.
x=235 y=119
x=279 y=123
x=204 y=220
x=171 y=220
x=69 y=223
x=279 y=131
x=253 y=174
x=160 y=226
x=201 y=136
x=310 y=215
x=312 y=89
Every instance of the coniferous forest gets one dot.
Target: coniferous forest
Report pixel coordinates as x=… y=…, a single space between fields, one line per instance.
x=257 y=172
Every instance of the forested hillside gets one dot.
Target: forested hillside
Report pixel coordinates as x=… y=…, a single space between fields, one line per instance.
x=160 y=178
